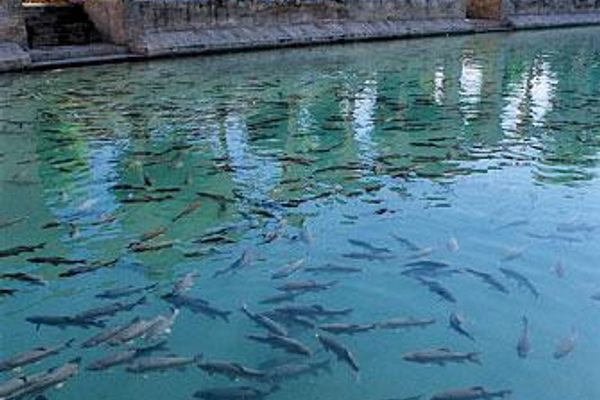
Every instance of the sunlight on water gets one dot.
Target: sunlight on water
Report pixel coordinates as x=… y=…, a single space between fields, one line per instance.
x=395 y=198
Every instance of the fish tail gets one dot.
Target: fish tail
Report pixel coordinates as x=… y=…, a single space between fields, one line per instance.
x=198 y=357
x=474 y=358
x=225 y=315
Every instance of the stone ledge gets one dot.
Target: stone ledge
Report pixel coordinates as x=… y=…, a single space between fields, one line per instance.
x=229 y=39
x=553 y=20
x=13 y=57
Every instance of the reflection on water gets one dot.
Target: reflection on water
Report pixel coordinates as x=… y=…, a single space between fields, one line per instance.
x=405 y=179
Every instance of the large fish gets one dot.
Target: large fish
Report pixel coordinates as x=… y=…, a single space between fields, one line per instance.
x=368 y=246
x=243 y=261
x=456 y=322
x=265 y=322
x=105 y=335
x=437 y=288
x=185 y=283
x=521 y=280
x=124 y=357
x=135 y=329
x=56 y=261
x=197 y=306
x=347 y=329
x=312 y=311
x=190 y=208
x=284 y=343
x=160 y=364
x=288 y=269
x=234 y=393
x=32 y=356
x=24 y=277
x=161 y=326
x=15 y=251
x=404 y=323
x=305 y=286
x=473 y=393
x=110 y=309
x=489 y=280
x=232 y=370
x=63 y=321
x=125 y=291
x=441 y=357
x=524 y=344
x=40 y=382
x=294 y=369
x=340 y=351
x=334 y=269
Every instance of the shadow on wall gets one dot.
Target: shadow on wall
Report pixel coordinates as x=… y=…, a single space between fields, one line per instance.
x=484 y=9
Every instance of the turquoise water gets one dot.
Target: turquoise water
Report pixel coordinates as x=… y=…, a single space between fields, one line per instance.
x=480 y=151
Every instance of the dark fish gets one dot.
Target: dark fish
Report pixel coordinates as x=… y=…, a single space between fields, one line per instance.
x=110 y=309
x=347 y=329
x=232 y=370
x=11 y=222
x=291 y=319
x=291 y=370
x=234 y=393
x=441 y=357
x=368 y=246
x=124 y=357
x=284 y=343
x=56 y=261
x=305 y=286
x=88 y=268
x=15 y=251
x=197 y=306
x=185 y=283
x=334 y=269
x=7 y=292
x=404 y=323
x=340 y=351
x=190 y=208
x=284 y=297
x=521 y=280
x=489 y=280
x=160 y=364
x=24 y=277
x=242 y=262
x=473 y=393
x=427 y=264
x=524 y=344
x=63 y=321
x=432 y=273
x=456 y=322
x=40 y=382
x=369 y=256
x=288 y=269
x=314 y=310
x=406 y=242
x=125 y=291
x=437 y=288
x=265 y=322
x=144 y=248
x=149 y=236
x=51 y=225
x=32 y=356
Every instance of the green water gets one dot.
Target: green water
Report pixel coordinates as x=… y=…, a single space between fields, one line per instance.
x=482 y=151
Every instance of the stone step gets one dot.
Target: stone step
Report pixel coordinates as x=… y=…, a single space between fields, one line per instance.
x=64 y=53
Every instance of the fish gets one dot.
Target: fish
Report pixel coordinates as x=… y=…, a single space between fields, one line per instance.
x=332 y=268
x=281 y=298
x=456 y=322
x=137 y=328
x=148 y=236
x=185 y=283
x=404 y=323
x=243 y=261
x=234 y=393
x=56 y=261
x=197 y=306
x=32 y=356
x=489 y=280
x=340 y=351
x=88 y=268
x=427 y=264
x=521 y=280
x=369 y=256
x=348 y=329
x=232 y=370
x=124 y=357
x=11 y=222
x=406 y=242
x=146 y=199
x=441 y=357
x=190 y=208
x=288 y=269
x=294 y=369
x=565 y=346
x=40 y=382
x=15 y=251
x=110 y=309
x=472 y=393
x=265 y=322
x=144 y=248
x=437 y=288
x=513 y=253
x=160 y=364
x=125 y=291
x=7 y=292
x=105 y=335
x=63 y=321
x=432 y=273
x=161 y=325
x=304 y=286
x=368 y=246
x=524 y=344
x=314 y=310
x=285 y=343
x=24 y=277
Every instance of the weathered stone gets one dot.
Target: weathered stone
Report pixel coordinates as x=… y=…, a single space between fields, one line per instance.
x=12 y=28
x=13 y=57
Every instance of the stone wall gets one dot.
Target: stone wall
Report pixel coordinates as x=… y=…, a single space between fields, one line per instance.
x=484 y=9
x=551 y=13
x=11 y=22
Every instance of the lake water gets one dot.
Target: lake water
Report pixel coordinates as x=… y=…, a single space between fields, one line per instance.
x=473 y=153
